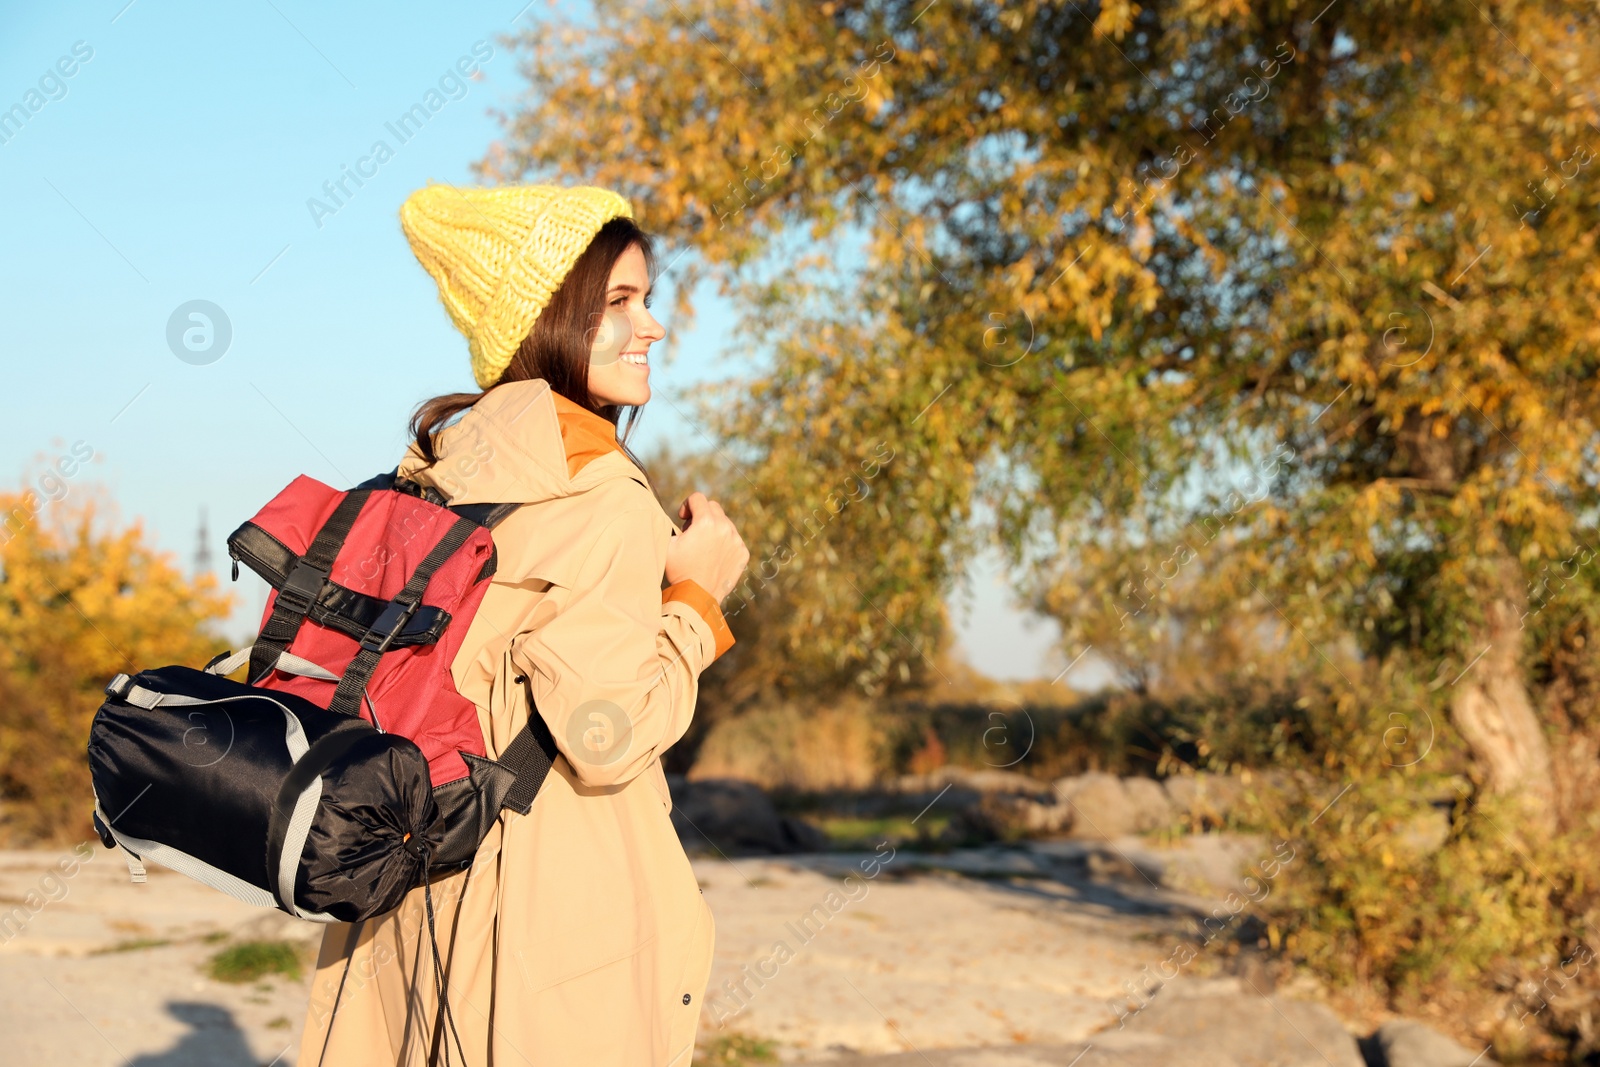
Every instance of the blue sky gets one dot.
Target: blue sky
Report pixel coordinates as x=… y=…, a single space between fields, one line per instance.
x=174 y=164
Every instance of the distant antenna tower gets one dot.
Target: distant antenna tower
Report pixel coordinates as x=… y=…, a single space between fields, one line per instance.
x=202 y=548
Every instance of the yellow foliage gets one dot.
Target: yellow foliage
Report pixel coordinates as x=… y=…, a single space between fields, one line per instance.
x=78 y=605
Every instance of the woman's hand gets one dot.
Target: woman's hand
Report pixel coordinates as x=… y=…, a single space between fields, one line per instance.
x=709 y=551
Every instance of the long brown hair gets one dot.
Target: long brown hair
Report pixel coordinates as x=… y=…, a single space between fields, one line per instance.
x=559 y=345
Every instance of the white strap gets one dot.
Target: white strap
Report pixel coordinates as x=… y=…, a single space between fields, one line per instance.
x=287 y=662
x=294 y=843
x=202 y=872
x=294 y=735
x=135 y=866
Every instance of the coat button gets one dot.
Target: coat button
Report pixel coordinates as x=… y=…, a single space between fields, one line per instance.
x=686 y=998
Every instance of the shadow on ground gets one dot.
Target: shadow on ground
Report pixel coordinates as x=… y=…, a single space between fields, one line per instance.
x=214 y=1040
x=1097 y=876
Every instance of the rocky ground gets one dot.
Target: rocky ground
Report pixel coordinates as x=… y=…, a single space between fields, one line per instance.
x=1045 y=952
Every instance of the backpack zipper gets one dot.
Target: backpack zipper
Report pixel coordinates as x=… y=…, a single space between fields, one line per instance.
x=271 y=575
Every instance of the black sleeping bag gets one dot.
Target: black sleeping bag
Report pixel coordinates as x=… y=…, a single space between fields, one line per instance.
x=261 y=794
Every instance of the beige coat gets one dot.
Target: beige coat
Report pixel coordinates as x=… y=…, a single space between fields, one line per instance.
x=579 y=937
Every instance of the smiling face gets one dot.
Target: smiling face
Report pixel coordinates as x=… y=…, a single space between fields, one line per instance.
x=619 y=367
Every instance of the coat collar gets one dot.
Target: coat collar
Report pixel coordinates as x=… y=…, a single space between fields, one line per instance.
x=522 y=443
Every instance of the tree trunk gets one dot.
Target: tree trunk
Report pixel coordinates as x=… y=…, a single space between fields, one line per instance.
x=1492 y=710
x=1490 y=704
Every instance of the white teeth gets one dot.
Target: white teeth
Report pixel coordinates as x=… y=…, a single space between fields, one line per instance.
x=635 y=357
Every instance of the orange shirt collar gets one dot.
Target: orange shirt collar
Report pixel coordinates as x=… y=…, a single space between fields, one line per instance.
x=584 y=435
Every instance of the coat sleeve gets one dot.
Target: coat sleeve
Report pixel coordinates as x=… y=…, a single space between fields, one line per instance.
x=615 y=672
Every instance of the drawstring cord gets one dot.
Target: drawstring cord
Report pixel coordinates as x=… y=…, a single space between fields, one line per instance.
x=422 y=851
x=442 y=1011
x=349 y=957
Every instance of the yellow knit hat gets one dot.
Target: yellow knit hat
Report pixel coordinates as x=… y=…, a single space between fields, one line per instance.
x=500 y=254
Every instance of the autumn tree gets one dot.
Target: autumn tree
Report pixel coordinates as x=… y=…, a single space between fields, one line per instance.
x=78 y=604
x=1260 y=309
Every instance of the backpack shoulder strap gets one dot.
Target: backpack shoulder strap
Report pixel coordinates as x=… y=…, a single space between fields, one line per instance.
x=386 y=480
x=487 y=515
x=530 y=755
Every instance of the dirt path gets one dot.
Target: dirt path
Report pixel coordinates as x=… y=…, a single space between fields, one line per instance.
x=917 y=957
x=980 y=948
x=104 y=972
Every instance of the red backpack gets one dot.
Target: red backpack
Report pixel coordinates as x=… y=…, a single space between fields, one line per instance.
x=377 y=585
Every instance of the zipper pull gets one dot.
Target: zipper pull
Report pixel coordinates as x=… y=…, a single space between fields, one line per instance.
x=235 y=557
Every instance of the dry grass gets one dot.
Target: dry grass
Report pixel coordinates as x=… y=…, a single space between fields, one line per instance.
x=783 y=746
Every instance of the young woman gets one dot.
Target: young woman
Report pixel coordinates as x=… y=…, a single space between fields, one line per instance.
x=579 y=935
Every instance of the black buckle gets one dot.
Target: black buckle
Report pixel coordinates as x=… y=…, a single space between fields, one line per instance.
x=387 y=626
x=300 y=589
